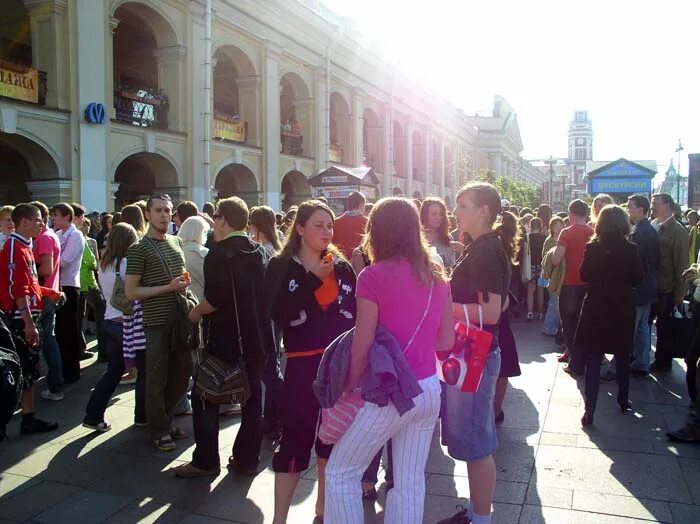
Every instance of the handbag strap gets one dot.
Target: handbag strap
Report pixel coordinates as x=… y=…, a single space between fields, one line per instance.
x=481 y=315
x=425 y=314
x=235 y=304
x=160 y=255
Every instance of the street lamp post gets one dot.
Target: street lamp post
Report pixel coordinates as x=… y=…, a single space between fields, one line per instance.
x=678 y=173
x=551 y=163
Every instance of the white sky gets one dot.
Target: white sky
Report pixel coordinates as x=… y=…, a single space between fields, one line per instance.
x=632 y=64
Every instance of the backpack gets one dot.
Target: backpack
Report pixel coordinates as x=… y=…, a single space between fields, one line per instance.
x=11 y=379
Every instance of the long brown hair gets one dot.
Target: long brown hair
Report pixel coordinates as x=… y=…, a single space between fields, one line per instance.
x=120 y=238
x=509 y=231
x=394 y=232
x=263 y=218
x=443 y=230
x=292 y=243
x=613 y=222
x=133 y=215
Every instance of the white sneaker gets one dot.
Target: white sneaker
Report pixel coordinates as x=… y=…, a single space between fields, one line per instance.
x=46 y=394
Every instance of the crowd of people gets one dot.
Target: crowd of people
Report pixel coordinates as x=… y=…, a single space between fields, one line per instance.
x=292 y=318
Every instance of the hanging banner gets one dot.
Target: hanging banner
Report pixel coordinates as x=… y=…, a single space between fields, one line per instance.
x=20 y=85
x=228 y=130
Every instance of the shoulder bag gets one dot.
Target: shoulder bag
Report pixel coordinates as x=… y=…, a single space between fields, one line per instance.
x=119 y=300
x=218 y=382
x=184 y=335
x=336 y=420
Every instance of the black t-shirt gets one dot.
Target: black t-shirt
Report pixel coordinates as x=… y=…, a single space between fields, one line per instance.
x=484 y=268
x=536 y=244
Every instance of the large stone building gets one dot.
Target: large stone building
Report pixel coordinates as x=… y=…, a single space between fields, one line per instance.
x=107 y=101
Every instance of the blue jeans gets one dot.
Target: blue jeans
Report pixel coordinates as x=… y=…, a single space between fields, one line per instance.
x=52 y=353
x=642 y=339
x=552 y=322
x=101 y=395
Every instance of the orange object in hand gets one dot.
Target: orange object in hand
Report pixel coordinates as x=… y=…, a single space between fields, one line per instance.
x=328 y=258
x=186 y=275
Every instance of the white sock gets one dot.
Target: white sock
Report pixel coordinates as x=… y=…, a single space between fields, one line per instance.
x=480 y=519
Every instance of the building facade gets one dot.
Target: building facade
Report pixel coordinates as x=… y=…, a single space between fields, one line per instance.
x=114 y=100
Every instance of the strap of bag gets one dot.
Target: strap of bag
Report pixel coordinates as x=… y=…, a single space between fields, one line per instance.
x=235 y=308
x=425 y=314
x=481 y=316
x=160 y=255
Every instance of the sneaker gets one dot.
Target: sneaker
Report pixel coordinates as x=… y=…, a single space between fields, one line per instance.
x=686 y=434
x=37 y=425
x=47 y=395
x=530 y=316
x=461 y=517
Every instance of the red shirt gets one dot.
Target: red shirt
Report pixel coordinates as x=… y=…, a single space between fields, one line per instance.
x=348 y=231
x=18 y=277
x=574 y=239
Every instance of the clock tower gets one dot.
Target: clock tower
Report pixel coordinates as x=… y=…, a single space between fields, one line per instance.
x=580 y=146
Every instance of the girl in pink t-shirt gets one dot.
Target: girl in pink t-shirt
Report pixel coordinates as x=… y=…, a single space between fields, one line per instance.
x=400 y=288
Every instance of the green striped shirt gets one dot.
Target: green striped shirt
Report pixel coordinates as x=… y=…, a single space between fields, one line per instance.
x=143 y=260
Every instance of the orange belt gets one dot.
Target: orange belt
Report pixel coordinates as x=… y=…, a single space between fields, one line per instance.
x=310 y=353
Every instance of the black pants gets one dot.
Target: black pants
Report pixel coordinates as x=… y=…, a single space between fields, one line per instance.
x=622 y=367
x=570 y=303
x=246 y=447
x=274 y=384
x=664 y=329
x=68 y=334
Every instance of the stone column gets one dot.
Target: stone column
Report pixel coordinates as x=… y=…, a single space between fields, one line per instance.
x=49 y=27
x=177 y=193
x=171 y=65
x=357 y=127
x=497 y=167
x=199 y=159
x=428 y=163
x=303 y=107
x=388 y=149
x=52 y=192
x=271 y=181
x=409 y=159
x=109 y=68
x=248 y=87
x=322 y=137
x=441 y=167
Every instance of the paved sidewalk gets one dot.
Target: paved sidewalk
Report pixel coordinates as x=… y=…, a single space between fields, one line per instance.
x=621 y=471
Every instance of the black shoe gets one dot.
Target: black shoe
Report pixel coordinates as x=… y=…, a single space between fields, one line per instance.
x=625 y=406
x=587 y=419
x=685 y=434
x=235 y=466
x=658 y=366
x=461 y=517
x=102 y=357
x=86 y=356
x=3 y=433
x=37 y=425
x=608 y=376
x=570 y=371
x=639 y=373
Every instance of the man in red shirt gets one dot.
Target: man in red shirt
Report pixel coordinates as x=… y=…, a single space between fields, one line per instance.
x=21 y=299
x=350 y=226
x=570 y=247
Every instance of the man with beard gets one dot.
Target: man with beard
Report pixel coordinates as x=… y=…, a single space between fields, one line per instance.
x=155 y=272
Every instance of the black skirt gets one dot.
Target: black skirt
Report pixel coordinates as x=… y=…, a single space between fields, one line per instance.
x=510 y=367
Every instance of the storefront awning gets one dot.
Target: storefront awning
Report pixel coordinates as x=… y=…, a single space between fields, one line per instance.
x=341 y=176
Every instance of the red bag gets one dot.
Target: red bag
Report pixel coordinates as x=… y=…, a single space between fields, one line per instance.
x=463 y=366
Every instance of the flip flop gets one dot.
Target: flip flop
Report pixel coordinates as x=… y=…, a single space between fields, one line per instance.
x=101 y=427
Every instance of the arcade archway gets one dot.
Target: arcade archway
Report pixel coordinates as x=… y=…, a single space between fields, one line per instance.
x=237 y=180
x=141 y=175
x=295 y=189
x=372 y=141
x=296 y=116
x=24 y=162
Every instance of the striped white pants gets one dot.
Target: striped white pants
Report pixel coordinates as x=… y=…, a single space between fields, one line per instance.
x=411 y=435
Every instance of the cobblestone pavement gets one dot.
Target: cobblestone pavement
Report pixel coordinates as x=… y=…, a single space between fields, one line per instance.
x=621 y=471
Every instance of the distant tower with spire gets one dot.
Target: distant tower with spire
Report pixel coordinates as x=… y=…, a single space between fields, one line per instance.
x=670 y=184
x=580 y=146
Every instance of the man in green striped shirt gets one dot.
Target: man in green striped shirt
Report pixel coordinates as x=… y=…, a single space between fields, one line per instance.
x=154 y=273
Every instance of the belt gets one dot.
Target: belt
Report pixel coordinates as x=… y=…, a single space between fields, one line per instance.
x=310 y=353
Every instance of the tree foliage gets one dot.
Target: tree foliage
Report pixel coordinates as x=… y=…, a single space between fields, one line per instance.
x=518 y=193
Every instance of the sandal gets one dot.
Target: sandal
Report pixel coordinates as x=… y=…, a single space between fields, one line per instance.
x=100 y=427
x=178 y=434
x=165 y=443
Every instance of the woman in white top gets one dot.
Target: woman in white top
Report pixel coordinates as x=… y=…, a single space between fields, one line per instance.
x=113 y=262
x=193 y=233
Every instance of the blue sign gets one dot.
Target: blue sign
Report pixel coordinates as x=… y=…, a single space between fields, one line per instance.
x=622 y=170
x=603 y=184
x=95 y=113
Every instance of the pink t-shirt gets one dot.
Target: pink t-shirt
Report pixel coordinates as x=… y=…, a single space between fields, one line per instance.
x=47 y=243
x=402 y=299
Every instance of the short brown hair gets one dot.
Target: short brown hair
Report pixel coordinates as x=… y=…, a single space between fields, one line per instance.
x=42 y=208
x=355 y=200
x=185 y=210
x=640 y=201
x=578 y=208
x=64 y=209
x=613 y=221
x=235 y=211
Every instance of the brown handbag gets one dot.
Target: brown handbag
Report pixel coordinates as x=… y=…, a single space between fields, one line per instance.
x=218 y=382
